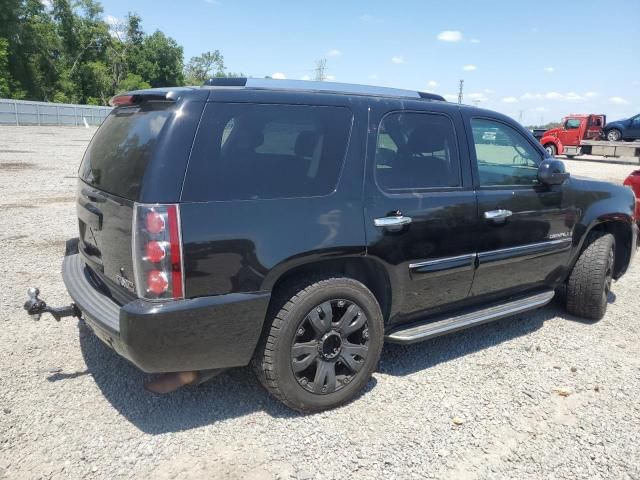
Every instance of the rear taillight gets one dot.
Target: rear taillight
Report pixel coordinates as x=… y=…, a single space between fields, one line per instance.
x=157 y=252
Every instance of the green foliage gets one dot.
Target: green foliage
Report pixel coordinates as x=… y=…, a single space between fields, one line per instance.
x=132 y=82
x=160 y=61
x=5 y=78
x=203 y=67
x=66 y=52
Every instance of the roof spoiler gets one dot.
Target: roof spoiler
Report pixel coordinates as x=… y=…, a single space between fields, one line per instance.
x=140 y=96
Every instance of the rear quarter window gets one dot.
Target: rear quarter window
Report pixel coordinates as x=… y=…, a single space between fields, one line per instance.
x=263 y=151
x=116 y=158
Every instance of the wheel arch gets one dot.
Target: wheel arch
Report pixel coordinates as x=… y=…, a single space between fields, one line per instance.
x=614 y=127
x=366 y=270
x=552 y=141
x=621 y=227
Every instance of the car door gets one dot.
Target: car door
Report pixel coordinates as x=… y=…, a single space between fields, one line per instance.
x=634 y=128
x=420 y=208
x=570 y=133
x=525 y=227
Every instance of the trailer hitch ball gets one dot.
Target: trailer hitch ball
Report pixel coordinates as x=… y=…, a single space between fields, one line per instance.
x=35 y=307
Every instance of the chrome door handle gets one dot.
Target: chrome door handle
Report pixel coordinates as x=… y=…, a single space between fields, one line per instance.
x=498 y=215
x=393 y=221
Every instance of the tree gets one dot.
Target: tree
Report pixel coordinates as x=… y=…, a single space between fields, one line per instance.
x=124 y=52
x=132 y=82
x=64 y=51
x=5 y=77
x=203 y=67
x=160 y=61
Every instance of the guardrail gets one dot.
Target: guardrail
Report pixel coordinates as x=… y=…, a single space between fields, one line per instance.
x=25 y=112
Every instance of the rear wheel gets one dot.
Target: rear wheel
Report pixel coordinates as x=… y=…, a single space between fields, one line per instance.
x=590 y=281
x=322 y=345
x=551 y=148
x=614 y=135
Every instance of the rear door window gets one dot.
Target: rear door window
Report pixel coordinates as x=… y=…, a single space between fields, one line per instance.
x=416 y=151
x=119 y=152
x=256 y=151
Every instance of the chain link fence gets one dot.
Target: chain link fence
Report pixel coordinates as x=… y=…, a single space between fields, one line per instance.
x=24 y=112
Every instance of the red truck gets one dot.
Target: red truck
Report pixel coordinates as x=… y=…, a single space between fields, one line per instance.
x=574 y=129
x=633 y=181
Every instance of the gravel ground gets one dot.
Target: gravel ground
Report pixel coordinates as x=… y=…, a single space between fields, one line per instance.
x=540 y=395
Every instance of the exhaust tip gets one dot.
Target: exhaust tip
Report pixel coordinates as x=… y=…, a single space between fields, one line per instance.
x=170 y=382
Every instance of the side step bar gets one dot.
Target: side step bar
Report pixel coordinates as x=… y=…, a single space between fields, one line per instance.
x=423 y=331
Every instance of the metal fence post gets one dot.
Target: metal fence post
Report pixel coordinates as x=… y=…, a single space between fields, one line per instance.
x=57 y=115
x=15 y=108
x=38 y=112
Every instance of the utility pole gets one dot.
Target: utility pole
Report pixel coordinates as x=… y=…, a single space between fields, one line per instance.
x=520 y=116
x=321 y=68
x=460 y=92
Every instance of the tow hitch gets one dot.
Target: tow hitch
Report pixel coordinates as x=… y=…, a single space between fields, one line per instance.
x=35 y=307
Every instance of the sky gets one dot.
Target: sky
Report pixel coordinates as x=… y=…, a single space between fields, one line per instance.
x=535 y=61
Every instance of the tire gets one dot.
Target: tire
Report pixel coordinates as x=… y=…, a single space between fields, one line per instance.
x=614 y=135
x=590 y=280
x=335 y=359
x=551 y=149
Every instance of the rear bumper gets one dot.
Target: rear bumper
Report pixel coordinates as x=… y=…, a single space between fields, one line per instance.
x=183 y=335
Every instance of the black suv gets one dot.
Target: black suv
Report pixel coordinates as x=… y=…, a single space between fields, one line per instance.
x=299 y=225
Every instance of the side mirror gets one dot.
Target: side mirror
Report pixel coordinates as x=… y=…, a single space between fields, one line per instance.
x=552 y=172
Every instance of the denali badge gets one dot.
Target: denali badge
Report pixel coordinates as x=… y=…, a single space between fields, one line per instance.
x=123 y=282
x=560 y=235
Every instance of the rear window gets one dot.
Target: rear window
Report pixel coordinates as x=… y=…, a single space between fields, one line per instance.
x=256 y=151
x=117 y=156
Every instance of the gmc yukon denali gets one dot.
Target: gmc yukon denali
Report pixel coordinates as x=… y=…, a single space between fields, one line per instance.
x=296 y=226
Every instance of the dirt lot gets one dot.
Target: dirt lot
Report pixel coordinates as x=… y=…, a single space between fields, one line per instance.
x=486 y=403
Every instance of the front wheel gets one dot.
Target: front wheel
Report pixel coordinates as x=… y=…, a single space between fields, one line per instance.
x=614 y=135
x=590 y=281
x=551 y=149
x=323 y=344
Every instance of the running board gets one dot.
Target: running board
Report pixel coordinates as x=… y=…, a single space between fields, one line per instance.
x=423 y=331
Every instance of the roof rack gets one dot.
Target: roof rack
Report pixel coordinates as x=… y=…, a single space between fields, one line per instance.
x=313 y=86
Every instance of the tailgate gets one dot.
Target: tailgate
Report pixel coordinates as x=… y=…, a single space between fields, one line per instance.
x=104 y=222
